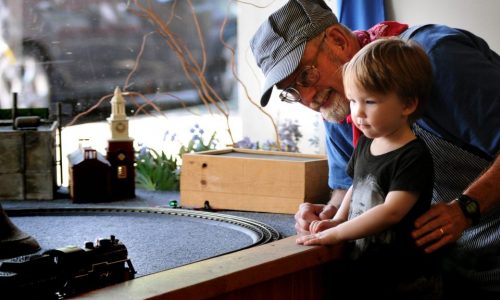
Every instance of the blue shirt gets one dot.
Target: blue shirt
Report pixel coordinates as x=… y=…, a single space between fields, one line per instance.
x=464 y=108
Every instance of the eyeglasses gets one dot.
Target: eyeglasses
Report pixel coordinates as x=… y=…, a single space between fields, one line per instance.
x=308 y=77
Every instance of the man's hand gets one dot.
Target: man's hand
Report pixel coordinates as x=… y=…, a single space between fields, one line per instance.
x=312 y=212
x=441 y=225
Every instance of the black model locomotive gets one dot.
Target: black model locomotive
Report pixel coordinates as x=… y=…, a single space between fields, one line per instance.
x=62 y=272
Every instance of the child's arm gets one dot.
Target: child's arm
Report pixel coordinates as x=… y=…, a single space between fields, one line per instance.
x=397 y=204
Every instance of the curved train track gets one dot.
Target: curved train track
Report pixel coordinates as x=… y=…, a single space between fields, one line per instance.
x=260 y=233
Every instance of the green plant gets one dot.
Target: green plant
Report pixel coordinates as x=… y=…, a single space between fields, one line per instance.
x=156 y=171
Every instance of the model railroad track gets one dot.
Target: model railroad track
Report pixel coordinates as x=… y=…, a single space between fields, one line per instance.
x=260 y=233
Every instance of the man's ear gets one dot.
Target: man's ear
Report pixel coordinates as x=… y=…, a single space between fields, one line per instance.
x=341 y=41
x=336 y=35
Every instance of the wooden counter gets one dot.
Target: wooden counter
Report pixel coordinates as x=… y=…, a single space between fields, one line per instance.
x=278 y=270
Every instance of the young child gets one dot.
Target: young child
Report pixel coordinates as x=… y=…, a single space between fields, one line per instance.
x=387 y=83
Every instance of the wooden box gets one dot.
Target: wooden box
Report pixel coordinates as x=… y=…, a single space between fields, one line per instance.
x=253 y=180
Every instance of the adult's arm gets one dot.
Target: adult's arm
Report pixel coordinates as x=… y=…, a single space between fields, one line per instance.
x=336 y=198
x=485 y=189
x=445 y=222
x=338 y=139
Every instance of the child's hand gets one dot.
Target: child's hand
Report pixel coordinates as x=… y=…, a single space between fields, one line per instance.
x=309 y=239
x=317 y=226
x=327 y=237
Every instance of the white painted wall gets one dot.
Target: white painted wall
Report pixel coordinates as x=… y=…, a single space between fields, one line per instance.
x=479 y=16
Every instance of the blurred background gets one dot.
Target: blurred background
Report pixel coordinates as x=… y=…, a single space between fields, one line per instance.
x=75 y=52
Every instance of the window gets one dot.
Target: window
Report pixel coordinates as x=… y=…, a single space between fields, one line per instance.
x=75 y=52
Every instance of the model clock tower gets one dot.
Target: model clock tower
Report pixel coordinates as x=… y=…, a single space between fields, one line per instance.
x=120 y=152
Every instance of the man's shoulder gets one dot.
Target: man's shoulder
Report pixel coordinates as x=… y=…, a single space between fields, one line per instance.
x=429 y=29
x=429 y=35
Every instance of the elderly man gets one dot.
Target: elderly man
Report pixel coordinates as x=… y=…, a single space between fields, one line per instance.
x=301 y=49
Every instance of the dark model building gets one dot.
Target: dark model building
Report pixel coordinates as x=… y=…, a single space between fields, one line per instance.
x=89 y=176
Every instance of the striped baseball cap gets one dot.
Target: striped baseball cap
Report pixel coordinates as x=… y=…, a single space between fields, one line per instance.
x=279 y=43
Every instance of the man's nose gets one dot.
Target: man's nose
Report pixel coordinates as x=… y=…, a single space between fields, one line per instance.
x=307 y=94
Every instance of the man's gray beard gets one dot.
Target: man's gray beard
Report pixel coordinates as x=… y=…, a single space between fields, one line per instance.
x=336 y=111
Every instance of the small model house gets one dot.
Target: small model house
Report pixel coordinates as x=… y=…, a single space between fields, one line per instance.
x=89 y=176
